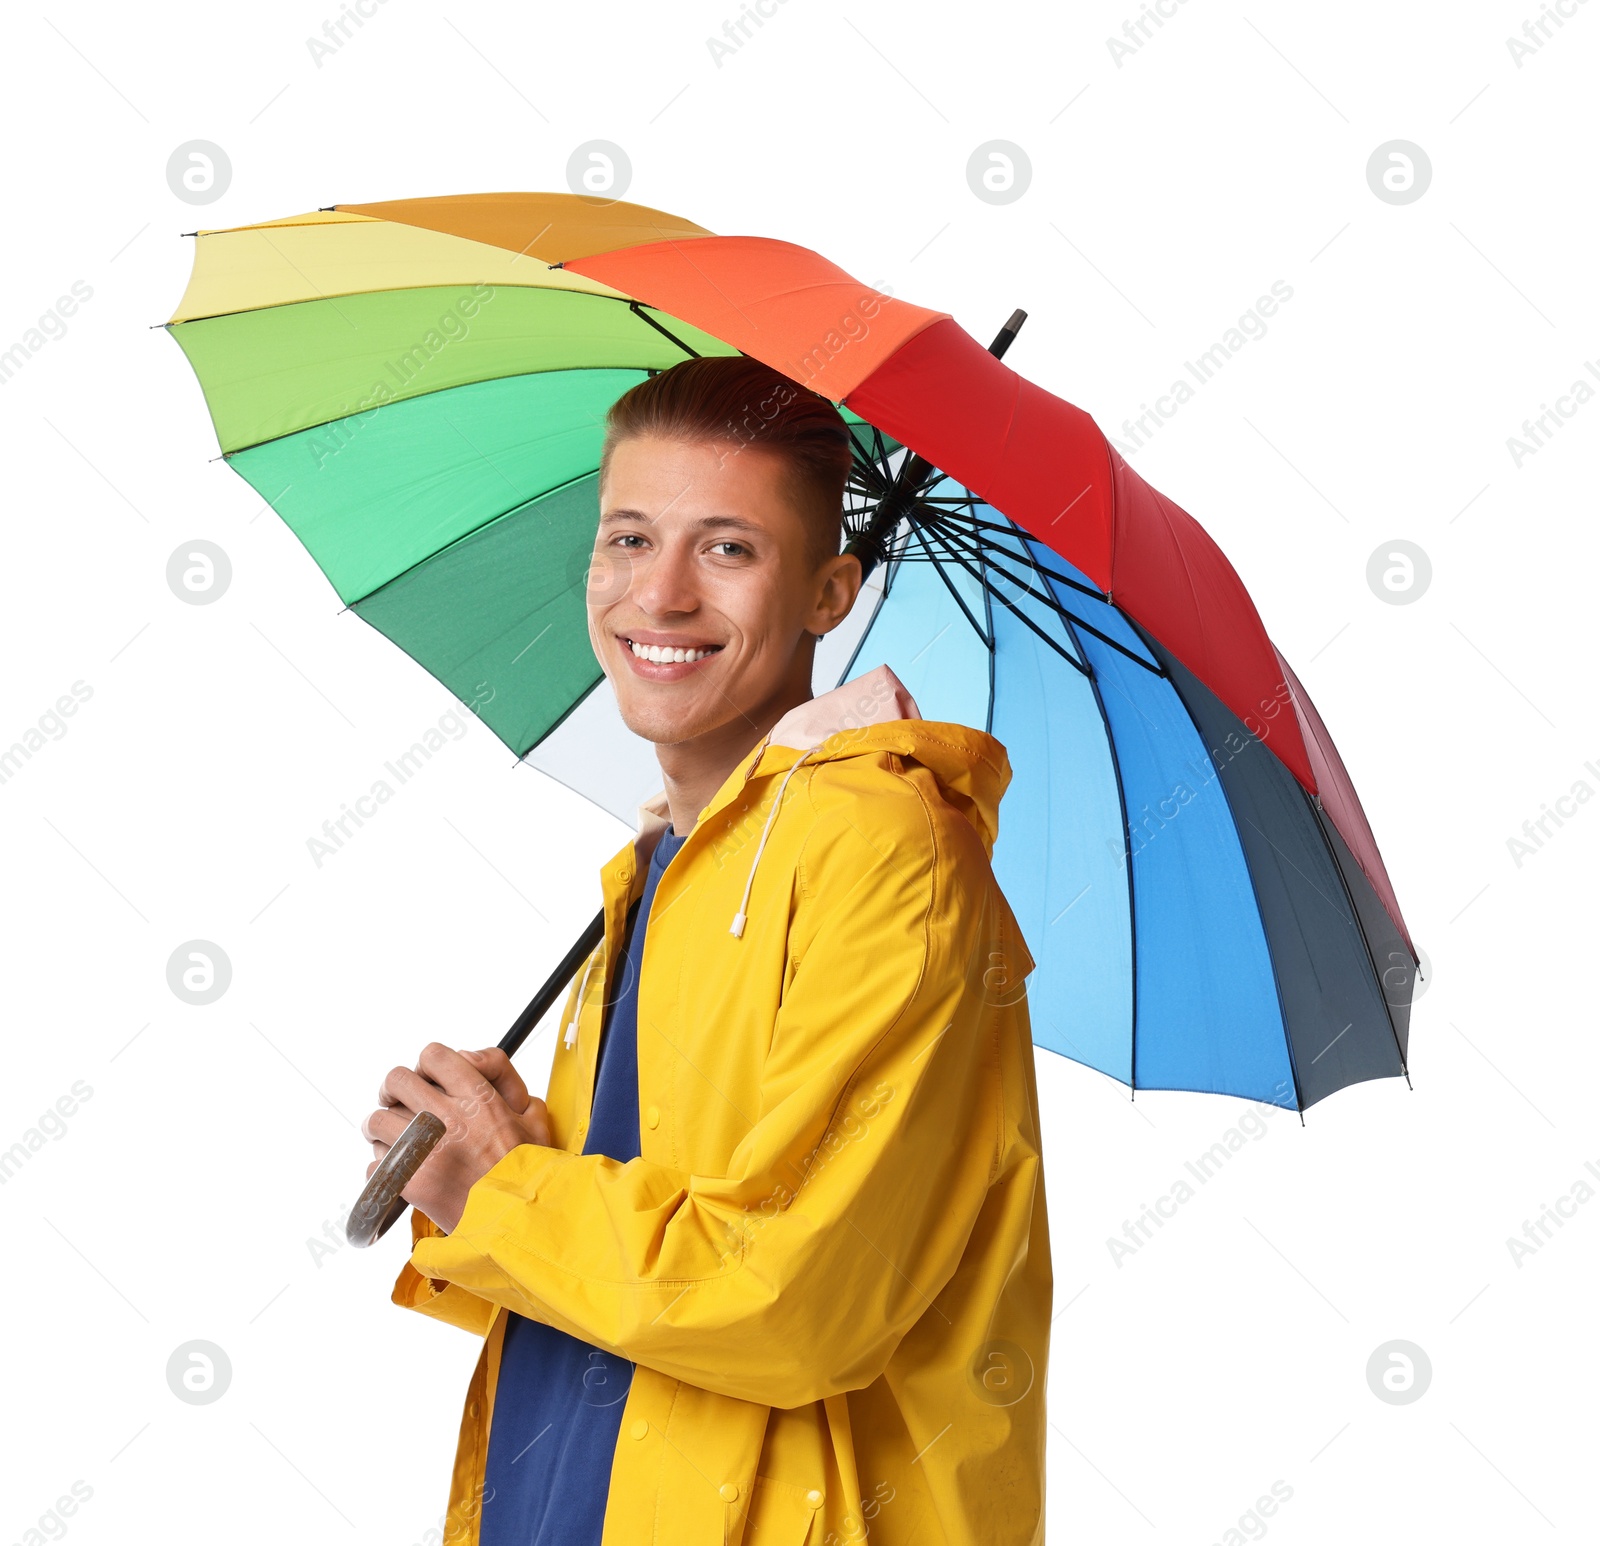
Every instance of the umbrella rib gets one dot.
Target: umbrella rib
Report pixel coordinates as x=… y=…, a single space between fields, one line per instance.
x=1003 y=529
x=948 y=528
x=1072 y=617
x=969 y=502
x=880 y=453
x=980 y=524
x=1052 y=602
x=988 y=617
x=1004 y=601
x=988 y=555
x=643 y=316
x=870 y=472
x=1127 y=869
x=955 y=596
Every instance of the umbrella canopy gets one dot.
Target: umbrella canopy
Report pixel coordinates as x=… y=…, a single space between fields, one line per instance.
x=419 y=388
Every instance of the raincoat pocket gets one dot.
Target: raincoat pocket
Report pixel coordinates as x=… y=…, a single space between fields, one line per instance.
x=782 y=1515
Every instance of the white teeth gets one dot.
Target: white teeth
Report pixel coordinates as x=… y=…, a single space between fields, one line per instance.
x=663 y=654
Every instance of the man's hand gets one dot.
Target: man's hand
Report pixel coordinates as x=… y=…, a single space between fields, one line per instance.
x=486 y=1111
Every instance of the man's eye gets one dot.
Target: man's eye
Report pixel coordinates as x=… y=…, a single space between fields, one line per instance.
x=730 y=549
x=627 y=538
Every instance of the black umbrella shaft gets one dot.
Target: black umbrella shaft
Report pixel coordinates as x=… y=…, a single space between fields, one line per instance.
x=542 y=1001
x=871 y=543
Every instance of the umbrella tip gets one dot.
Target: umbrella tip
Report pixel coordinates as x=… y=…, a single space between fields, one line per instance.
x=1002 y=339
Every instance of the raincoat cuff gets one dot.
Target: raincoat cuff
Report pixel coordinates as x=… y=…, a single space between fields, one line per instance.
x=513 y=1179
x=422 y=1228
x=432 y=1296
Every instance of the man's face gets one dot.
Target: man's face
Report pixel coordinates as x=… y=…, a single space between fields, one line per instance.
x=702 y=561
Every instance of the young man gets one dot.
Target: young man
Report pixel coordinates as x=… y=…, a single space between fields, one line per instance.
x=770 y=1263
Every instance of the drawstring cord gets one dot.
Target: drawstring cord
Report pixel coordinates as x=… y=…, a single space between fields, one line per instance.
x=577 y=1006
x=736 y=928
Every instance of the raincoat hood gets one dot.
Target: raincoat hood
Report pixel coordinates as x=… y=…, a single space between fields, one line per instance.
x=876 y=713
x=871 y=715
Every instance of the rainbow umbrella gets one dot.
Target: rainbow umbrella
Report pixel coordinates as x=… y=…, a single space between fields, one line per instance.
x=418 y=388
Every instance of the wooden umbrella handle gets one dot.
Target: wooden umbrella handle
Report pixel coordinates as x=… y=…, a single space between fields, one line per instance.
x=380 y=1203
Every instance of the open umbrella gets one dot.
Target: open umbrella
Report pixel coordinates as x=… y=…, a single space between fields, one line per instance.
x=418 y=388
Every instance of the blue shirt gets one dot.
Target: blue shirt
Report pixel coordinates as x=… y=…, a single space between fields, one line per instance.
x=558 y=1402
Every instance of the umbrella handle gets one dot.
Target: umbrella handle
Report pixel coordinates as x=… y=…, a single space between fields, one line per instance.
x=380 y=1204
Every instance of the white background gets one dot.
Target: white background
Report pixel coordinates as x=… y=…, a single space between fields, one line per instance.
x=1167 y=193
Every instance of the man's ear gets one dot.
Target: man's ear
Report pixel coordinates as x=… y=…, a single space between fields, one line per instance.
x=838 y=584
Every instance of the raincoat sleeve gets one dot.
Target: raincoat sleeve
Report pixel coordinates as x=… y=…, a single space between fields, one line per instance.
x=849 y=1203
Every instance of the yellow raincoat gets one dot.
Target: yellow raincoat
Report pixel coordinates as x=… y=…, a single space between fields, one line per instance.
x=831 y=1261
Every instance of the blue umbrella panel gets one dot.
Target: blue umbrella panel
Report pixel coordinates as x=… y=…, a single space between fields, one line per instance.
x=1197 y=923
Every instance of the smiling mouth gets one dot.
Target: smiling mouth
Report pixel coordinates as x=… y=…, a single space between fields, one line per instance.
x=666 y=654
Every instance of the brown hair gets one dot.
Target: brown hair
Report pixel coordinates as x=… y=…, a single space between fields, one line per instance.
x=739 y=400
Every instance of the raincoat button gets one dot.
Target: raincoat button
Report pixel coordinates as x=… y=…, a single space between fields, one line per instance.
x=473 y=1409
x=652 y=1117
x=730 y=1492
x=813 y=1499
x=639 y=1429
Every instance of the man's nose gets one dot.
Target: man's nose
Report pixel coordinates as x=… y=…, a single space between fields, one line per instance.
x=664 y=583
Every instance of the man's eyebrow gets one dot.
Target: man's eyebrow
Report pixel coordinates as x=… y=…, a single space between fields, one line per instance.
x=705 y=523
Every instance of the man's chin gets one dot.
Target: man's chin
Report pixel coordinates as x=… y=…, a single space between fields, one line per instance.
x=665 y=726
